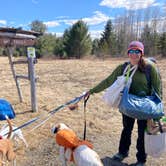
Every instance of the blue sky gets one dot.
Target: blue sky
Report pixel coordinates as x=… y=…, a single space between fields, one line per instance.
x=60 y=14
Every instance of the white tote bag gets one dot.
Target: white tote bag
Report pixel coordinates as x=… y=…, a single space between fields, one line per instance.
x=113 y=94
x=155 y=145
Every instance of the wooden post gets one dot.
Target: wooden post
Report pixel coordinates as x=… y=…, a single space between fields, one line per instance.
x=10 y=57
x=32 y=78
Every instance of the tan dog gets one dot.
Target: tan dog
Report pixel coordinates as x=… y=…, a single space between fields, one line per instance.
x=74 y=149
x=6 y=148
x=16 y=135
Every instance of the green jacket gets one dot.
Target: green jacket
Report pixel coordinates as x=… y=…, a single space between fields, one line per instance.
x=139 y=85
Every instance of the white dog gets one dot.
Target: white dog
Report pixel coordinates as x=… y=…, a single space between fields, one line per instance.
x=16 y=135
x=82 y=154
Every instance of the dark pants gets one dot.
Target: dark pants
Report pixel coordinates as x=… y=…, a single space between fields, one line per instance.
x=125 y=141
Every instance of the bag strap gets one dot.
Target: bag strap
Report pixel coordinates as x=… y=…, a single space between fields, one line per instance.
x=125 y=68
x=148 y=69
x=147 y=72
x=133 y=69
x=129 y=70
x=128 y=67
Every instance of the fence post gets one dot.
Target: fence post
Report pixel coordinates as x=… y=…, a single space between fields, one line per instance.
x=10 y=56
x=32 y=78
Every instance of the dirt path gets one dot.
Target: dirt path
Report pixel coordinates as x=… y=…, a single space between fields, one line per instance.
x=60 y=81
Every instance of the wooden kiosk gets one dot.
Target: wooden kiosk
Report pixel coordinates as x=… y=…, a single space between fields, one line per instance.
x=12 y=37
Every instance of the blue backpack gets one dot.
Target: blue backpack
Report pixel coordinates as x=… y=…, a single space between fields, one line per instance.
x=6 y=109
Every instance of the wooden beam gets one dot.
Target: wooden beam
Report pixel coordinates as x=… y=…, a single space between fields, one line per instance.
x=10 y=55
x=16 y=35
x=22 y=77
x=16 y=42
x=20 y=62
x=19 y=30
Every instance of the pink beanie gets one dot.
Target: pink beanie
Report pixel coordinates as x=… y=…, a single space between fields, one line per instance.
x=136 y=45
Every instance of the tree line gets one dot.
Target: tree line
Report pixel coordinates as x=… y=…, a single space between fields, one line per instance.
x=76 y=41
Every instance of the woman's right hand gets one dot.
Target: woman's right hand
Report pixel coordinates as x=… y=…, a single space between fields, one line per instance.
x=87 y=94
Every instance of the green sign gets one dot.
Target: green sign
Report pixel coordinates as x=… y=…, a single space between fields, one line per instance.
x=31 y=52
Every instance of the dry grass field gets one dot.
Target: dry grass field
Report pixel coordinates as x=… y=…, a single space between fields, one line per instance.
x=60 y=81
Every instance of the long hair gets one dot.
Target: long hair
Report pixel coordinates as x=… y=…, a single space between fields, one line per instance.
x=141 y=64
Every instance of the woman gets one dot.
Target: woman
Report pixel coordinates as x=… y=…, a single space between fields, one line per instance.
x=140 y=87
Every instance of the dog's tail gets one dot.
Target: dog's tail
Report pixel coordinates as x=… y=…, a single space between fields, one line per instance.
x=10 y=127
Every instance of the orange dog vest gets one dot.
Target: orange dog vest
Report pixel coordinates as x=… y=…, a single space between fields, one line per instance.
x=68 y=139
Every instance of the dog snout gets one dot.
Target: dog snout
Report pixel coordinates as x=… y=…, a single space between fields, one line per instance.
x=54 y=130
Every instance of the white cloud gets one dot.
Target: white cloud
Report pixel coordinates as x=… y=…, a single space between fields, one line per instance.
x=97 y=18
x=52 y=23
x=56 y=23
x=12 y=23
x=95 y=34
x=164 y=7
x=3 y=22
x=59 y=34
x=128 y=4
x=69 y=21
x=22 y=25
x=35 y=1
x=62 y=17
x=157 y=4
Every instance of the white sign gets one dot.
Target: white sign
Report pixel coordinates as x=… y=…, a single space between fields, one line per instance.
x=31 y=52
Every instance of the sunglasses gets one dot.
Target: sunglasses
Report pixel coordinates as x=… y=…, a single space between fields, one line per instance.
x=134 y=51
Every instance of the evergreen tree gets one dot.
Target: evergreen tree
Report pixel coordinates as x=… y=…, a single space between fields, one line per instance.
x=1 y=51
x=45 y=45
x=95 y=47
x=66 y=42
x=59 y=48
x=77 y=41
x=108 y=39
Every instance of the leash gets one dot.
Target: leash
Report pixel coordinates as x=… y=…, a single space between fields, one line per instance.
x=24 y=125
x=74 y=101
x=85 y=102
